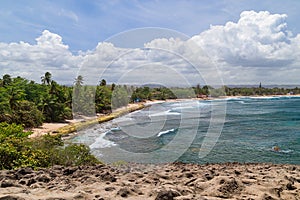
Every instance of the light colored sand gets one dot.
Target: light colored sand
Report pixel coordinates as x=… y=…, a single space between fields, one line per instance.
x=46 y=128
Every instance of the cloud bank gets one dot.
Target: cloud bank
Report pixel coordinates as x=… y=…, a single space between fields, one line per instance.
x=259 y=47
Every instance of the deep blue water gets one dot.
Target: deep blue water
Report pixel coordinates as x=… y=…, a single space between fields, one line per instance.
x=175 y=132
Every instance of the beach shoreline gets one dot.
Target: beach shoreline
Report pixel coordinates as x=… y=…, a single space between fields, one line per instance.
x=71 y=126
x=68 y=127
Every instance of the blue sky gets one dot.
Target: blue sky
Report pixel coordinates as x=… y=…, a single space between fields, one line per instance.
x=69 y=35
x=82 y=24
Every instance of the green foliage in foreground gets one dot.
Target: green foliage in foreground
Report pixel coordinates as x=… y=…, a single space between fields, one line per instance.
x=17 y=150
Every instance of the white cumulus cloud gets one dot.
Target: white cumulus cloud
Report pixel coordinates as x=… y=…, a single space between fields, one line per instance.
x=257 y=48
x=32 y=60
x=258 y=39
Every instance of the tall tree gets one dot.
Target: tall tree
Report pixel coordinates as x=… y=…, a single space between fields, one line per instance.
x=46 y=79
x=198 y=89
x=113 y=86
x=15 y=95
x=6 y=80
x=103 y=82
x=78 y=81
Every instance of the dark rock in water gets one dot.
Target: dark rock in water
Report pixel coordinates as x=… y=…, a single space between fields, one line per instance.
x=167 y=195
x=123 y=192
x=10 y=197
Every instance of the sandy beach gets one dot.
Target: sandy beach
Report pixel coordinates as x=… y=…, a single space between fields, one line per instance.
x=46 y=128
x=71 y=126
x=157 y=182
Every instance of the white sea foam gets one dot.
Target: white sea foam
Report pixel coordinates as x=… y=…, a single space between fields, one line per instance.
x=286 y=151
x=262 y=97
x=115 y=129
x=101 y=142
x=168 y=112
x=189 y=104
x=165 y=132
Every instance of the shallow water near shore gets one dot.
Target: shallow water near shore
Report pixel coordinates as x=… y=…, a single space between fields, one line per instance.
x=253 y=126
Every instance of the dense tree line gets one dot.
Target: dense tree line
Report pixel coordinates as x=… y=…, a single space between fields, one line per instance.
x=162 y=93
x=30 y=104
x=259 y=91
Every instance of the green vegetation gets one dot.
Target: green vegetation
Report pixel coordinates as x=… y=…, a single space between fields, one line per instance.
x=162 y=93
x=17 y=150
x=259 y=91
x=30 y=104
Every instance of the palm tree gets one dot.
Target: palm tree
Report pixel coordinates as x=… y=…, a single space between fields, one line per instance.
x=47 y=78
x=6 y=80
x=103 y=82
x=15 y=95
x=53 y=88
x=113 y=86
x=78 y=81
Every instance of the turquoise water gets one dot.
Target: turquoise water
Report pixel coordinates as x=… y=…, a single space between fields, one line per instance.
x=252 y=128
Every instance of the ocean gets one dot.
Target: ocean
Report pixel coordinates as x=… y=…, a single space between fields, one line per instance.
x=241 y=129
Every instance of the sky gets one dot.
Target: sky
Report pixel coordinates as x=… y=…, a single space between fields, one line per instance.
x=167 y=42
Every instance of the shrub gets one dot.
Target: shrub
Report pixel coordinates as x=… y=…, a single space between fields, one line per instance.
x=74 y=155
x=17 y=150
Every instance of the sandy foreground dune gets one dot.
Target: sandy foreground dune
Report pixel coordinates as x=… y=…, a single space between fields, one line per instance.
x=159 y=182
